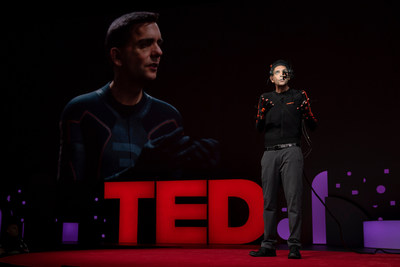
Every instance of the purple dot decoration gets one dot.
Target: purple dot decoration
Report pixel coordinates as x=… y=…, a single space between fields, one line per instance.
x=349 y=173
x=354 y=192
x=392 y=203
x=284 y=209
x=380 y=189
x=95 y=217
x=337 y=185
x=283 y=228
x=386 y=171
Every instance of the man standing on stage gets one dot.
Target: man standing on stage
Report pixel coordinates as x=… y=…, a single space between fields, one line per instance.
x=281 y=115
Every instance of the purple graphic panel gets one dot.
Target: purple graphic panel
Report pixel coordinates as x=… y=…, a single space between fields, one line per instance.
x=382 y=234
x=320 y=185
x=70 y=232
x=23 y=228
x=283 y=229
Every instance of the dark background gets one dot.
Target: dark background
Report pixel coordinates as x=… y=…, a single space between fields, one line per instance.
x=215 y=64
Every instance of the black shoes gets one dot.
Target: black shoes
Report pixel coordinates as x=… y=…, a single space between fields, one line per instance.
x=263 y=252
x=294 y=253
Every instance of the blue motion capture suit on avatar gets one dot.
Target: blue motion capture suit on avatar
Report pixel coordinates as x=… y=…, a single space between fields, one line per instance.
x=102 y=139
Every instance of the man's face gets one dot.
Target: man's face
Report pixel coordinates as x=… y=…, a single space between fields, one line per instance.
x=279 y=77
x=140 y=58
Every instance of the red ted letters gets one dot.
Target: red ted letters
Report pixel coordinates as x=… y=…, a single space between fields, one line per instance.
x=167 y=211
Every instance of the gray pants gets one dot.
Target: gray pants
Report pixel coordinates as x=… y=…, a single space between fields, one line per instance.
x=282 y=166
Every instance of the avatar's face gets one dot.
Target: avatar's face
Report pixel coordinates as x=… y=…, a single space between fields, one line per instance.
x=140 y=58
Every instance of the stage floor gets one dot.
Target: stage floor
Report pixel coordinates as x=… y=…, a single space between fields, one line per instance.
x=195 y=256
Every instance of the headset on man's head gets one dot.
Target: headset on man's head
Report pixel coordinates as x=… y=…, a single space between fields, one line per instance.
x=281 y=62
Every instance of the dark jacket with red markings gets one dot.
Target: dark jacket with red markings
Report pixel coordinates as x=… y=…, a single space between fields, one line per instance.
x=281 y=120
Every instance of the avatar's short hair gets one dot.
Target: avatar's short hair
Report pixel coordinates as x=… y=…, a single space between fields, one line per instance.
x=119 y=31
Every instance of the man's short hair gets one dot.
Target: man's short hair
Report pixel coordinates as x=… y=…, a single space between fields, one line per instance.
x=119 y=31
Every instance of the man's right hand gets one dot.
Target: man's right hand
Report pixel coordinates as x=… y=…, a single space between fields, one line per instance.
x=264 y=105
